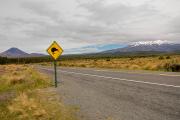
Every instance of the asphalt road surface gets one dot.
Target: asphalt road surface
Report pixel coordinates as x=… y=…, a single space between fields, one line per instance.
x=120 y=95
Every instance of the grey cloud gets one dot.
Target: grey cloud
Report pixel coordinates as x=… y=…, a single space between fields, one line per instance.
x=118 y=13
x=72 y=30
x=175 y=25
x=114 y=23
x=9 y=22
x=42 y=9
x=101 y=24
x=135 y=23
x=3 y=37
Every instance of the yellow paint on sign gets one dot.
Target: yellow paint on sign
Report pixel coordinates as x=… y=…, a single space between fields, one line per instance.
x=55 y=50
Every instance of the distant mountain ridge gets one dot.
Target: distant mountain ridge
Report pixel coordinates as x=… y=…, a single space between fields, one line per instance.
x=16 y=52
x=141 y=47
x=149 y=46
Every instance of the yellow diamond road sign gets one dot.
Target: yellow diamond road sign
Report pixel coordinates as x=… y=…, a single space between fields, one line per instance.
x=55 y=50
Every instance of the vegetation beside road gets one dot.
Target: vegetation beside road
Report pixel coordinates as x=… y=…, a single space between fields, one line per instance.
x=24 y=96
x=21 y=78
x=138 y=61
x=156 y=63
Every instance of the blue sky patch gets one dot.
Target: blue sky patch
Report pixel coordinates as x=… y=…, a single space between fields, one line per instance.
x=93 y=48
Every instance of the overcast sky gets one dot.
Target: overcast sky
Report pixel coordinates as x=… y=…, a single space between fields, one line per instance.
x=86 y=25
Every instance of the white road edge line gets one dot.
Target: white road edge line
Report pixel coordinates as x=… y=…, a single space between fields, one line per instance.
x=128 y=80
x=169 y=75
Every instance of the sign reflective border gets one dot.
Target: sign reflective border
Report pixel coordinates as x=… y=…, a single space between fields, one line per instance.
x=55 y=50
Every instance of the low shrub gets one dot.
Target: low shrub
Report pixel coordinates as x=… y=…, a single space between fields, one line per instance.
x=161 y=57
x=168 y=57
x=131 y=58
x=95 y=60
x=172 y=67
x=82 y=65
x=108 y=60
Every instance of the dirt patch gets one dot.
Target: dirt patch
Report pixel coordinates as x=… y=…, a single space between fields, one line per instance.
x=2 y=69
x=6 y=96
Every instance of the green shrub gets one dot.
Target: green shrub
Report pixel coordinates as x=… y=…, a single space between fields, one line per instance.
x=168 y=57
x=95 y=60
x=131 y=58
x=82 y=65
x=172 y=67
x=161 y=57
x=108 y=59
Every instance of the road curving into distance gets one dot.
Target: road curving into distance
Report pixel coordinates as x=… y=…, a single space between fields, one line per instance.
x=120 y=95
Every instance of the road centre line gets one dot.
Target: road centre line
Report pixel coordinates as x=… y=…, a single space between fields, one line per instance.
x=121 y=79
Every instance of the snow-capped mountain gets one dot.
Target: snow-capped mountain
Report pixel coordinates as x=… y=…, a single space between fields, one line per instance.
x=148 y=46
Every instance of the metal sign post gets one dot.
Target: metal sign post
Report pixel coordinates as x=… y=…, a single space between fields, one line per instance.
x=55 y=73
x=55 y=51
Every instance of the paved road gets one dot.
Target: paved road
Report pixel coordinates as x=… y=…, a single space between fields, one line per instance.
x=112 y=95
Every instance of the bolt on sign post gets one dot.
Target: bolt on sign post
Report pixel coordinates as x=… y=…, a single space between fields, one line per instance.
x=55 y=52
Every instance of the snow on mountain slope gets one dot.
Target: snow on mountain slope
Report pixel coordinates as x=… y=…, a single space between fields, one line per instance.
x=148 y=46
x=156 y=42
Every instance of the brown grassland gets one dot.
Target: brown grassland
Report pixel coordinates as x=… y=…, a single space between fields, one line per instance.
x=24 y=95
x=158 y=63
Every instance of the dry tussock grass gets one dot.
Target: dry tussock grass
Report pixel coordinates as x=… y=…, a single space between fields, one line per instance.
x=13 y=67
x=39 y=106
x=22 y=77
x=147 y=63
x=15 y=79
x=26 y=107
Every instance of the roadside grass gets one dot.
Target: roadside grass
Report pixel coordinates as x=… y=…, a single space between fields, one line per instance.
x=24 y=95
x=158 y=63
x=22 y=78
